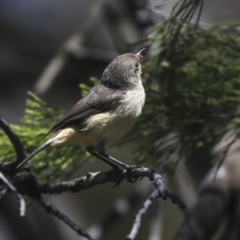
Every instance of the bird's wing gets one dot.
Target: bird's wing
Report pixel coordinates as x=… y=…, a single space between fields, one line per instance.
x=100 y=99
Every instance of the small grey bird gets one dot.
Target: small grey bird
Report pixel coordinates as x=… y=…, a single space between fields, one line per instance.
x=106 y=114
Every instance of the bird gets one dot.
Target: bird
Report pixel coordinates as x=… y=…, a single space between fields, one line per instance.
x=106 y=114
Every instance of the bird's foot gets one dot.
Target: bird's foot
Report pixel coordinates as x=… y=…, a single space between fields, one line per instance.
x=116 y=183
x=115 y=171
x=130 y=171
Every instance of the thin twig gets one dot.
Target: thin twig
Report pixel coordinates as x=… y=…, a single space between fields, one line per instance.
x=162 y=192
x=156 y=222
x=17 y=144
x=54 y=211
x=121 y=208
x=72 y=47
x=18 y=195
x=137 y=222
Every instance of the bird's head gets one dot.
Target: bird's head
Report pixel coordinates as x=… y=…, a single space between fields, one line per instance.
x=123 y=72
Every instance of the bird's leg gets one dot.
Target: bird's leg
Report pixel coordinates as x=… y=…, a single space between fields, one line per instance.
x=113 y=160
x=99 y=152
x=93 y=152
x=129 y=168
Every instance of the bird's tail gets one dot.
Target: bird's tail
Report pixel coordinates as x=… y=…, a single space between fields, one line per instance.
x=39 y=149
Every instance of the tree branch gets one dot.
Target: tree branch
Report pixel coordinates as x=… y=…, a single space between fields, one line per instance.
x=137 y=222
x=121 y=208
x=52 y=210
x=155 y=231
x=17 y=144
x=92 y=179
x=18 y=195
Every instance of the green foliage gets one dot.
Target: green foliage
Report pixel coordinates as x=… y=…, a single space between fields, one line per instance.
x=86 y=88
x=192 y=79
x=38 y=119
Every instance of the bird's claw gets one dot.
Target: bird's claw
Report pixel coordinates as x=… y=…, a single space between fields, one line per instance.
x=129 y=172
x=116 y=183
x=132 y=180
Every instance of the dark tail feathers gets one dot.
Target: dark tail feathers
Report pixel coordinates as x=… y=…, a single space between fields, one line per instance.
x=39 y=149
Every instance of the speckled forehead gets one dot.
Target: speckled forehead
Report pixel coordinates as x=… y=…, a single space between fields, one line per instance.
x=129 y=55
x=125 y=60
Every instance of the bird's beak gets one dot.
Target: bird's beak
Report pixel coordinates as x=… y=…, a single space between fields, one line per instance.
x=139 y=53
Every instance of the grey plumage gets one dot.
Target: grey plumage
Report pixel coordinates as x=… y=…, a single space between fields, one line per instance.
x=99 y=99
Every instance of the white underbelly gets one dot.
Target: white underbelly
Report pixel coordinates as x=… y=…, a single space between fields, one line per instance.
x=107 y=127
x=112 y=126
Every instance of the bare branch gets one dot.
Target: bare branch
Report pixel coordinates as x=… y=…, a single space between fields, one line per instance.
x=121 y=208
x=92 y=179
x=73 y=47
x=52 y=210
x=17 y=144
x=156 y=222
x=18 y=195
x=137 y=222
x=161 y=191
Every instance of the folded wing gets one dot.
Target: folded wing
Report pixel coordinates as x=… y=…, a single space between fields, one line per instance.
x=100 y=99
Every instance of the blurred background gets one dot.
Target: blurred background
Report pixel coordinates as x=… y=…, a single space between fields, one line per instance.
x=34 y=35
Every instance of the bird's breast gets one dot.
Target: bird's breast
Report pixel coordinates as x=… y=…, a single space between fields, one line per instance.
x=113 y=125
x=132 y=103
